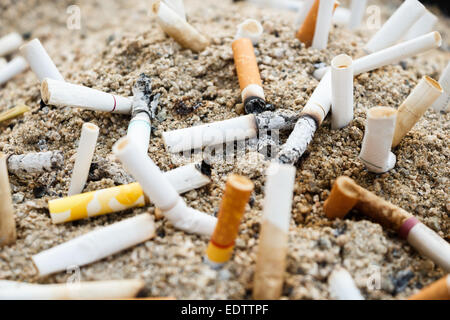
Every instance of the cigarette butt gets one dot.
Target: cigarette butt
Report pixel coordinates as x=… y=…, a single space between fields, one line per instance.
x=12 y=69
x=35 y=162
x=342 y=91
x=342 y=286
x=237 y=193
x=342 y=198
x=14 y=112
x=10 y=43
x=250 y=29
x=323 y=24
x=7 y=222
x=306 y=32
x=439 y=290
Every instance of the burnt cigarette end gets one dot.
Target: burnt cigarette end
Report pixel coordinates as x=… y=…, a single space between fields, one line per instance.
x=255 y=105
x=204 y=168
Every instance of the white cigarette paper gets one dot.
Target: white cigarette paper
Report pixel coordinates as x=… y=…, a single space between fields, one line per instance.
x=302 y=12
x=187 y=178
x=10 y=43
x=210 y=134
x=39 y=61
x=86 y=290
x=358 y=9
x=323 y=24
x=397 y=26
x=158 y=188
x=376 y=146
x=139 y=131
x=61 y=94
x=177 y=6
x=12 y=69
x=95 y=245
x=443 y=102
x=342 y=286
x=273 y=241
x=251 y=29
x=414 y=107
x=35 y=162
x=341 y=16
x=85 y=153
x=342 y=91
x=181 y=31
x=424 y=25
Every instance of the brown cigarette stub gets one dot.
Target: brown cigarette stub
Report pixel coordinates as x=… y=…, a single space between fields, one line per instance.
x=439 y=290
x=7 y=222
x=306 y=31
x=237 y=193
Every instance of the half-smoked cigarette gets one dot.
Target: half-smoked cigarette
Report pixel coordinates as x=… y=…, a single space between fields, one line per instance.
x=414 y=107
x=342 y=286
x=181 y=31
x=346 y=194
x=39 y=61
x=95 y=245
x=10 y=43
x=323 y=24
x=358 y=9
x=177 y=6
x=115 y=199
x=443 y=102
x=12 y=69
x=273 y=239
x=85 y=153
x=35 y=162
x=158 y=188
x=397 y=26
x=342 y=91
x=62 y=94
x=376 y=146
x=7 y=222
x=439 y=290
x=85 y=290
x=236 y=195
x=424 y=25
x=14 y=112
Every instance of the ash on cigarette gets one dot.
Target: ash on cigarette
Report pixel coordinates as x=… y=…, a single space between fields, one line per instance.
x=110 y=57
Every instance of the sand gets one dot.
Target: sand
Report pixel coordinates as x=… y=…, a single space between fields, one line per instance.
x=118 y=41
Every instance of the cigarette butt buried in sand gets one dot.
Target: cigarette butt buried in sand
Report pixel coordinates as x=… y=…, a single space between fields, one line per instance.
x=236 y=195
x=342 y=286
x=439 y=290
x=273 y=239
x=307 y=30
x=342 y=91
x=10 y=43
x=177 y=28
x=12 y=69
x=346 y=194
x=62 y=94
x=414 y=107
x=85 y=290
x=14 y=112
x=115 y=199
x=7 y=222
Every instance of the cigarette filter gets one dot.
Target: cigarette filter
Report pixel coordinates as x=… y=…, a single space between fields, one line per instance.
x=158 y=188
x=115 y=199
x=236 y=195
x=414 y=107
x=323 y=24
x=85 y=290
x=342 y=91
x=177 y=28
x=14 y=112
x=439 y=290
x=303 y=12
x=10 y=43
x=210 y=134
x=139 y=130
x=12 y=69
x=376 y=146
x=95 y=245
x=424 y=25
x=442 y=103
x=342 y=286
x=346 y=194
x=39 y=61
x=177 y=6
x=35 y=162
x=85 y=152
x=250 y=29
x=397 y=26
x=273 y=239
x=61 y=94
x=358 y=9
x=7 y=222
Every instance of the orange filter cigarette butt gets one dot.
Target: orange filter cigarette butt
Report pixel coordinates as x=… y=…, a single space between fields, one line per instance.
x=236 y=195
x=439 y=290
x=306 y=31
x=341 y=200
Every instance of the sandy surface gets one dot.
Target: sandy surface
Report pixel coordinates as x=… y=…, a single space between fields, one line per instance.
x=118 y=41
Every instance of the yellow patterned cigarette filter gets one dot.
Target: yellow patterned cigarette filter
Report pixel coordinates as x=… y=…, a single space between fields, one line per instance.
x=96 y=203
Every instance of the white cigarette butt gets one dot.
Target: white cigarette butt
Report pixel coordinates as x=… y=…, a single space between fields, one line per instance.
x=323 y=24
x=10 y=43
x=342 y=91
x=342 y=286
x=12 y=69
